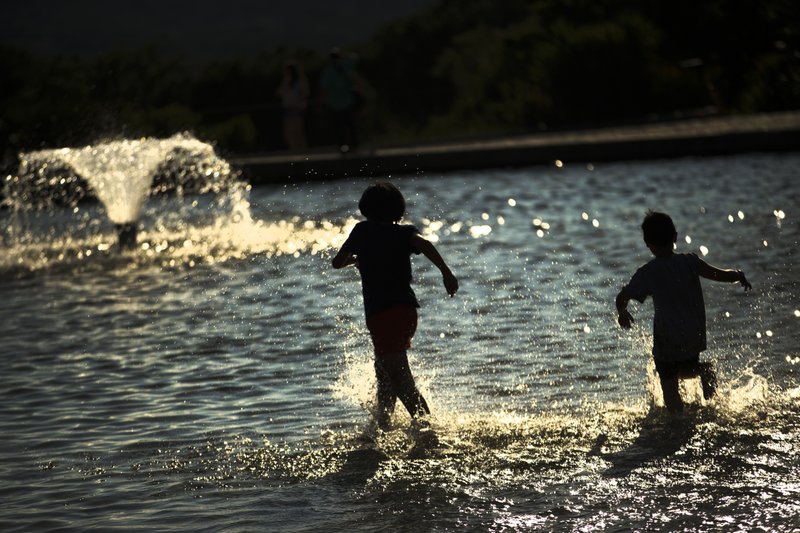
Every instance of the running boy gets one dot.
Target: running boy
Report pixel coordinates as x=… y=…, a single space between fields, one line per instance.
x=381 y=249
x=679 y=323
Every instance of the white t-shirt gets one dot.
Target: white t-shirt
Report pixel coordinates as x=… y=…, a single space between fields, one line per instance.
x=679 y=322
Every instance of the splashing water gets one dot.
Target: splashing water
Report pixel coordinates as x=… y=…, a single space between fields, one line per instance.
x=50 y=221
x=220 y=376
x=119 y=173
x=207 y=219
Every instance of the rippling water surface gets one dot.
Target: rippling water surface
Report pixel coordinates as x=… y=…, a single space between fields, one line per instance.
x=219 y=377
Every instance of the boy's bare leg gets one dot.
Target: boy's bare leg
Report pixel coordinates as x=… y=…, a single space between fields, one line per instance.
x=672 y=396
x=397 y=367
x=386 y=394
x=708 y=379
x=707 y=375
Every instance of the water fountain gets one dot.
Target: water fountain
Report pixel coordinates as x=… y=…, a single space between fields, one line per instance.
x=121 y=174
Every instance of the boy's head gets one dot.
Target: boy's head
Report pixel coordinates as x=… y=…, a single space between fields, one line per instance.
x=382 y=202
x=658 y=230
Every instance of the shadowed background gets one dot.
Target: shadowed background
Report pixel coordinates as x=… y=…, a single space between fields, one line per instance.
x=216 y=374
x=80 y=71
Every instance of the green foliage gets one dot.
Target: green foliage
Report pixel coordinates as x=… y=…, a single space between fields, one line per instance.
x=239 y=130
x=478 y=67
x=602 y=70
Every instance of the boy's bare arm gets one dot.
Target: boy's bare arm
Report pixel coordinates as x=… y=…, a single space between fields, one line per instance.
x=343 y=259
x=624 y=318
x=724 y=275
x=427 y=249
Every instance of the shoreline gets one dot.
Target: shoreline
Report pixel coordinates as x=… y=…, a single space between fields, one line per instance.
x=764 y=132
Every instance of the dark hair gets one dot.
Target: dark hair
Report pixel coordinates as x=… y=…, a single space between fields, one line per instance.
x=658 y=228
x=382 y=202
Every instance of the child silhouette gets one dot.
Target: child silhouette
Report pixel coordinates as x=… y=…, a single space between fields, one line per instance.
x=679 y=322
x=381 y=248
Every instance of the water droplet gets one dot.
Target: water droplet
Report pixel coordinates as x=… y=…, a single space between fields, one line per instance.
x=480 y=231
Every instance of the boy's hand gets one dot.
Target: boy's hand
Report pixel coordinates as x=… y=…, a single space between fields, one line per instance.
x=450 y=283
x=744 y=282
x=625 y=319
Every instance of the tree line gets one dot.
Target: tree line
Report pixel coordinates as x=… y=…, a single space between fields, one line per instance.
x=462 y=68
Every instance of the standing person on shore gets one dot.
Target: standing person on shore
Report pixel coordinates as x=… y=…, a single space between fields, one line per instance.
x=293 y=92
x=340 y=97
x=381 y=248
x=679 y=323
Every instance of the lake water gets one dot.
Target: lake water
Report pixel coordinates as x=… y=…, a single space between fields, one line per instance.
x=219 y=378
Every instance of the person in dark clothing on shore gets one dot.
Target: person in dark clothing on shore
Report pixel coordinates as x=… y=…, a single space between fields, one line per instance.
x=340 y=95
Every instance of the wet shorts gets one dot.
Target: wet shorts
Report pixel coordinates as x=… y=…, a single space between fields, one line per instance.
x=392 y=329
x=670 y=369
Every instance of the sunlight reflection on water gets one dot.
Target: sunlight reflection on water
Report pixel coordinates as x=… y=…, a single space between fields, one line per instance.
x=220 y=375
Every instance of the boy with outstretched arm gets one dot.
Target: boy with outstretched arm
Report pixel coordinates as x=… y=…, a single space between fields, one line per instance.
x=679 y=322
x=381 y=248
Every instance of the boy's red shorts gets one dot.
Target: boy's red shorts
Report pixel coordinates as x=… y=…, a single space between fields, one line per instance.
x=392 y=329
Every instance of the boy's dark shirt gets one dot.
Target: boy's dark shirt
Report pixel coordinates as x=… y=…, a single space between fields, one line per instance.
x=384 y=260
x=679 y=321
